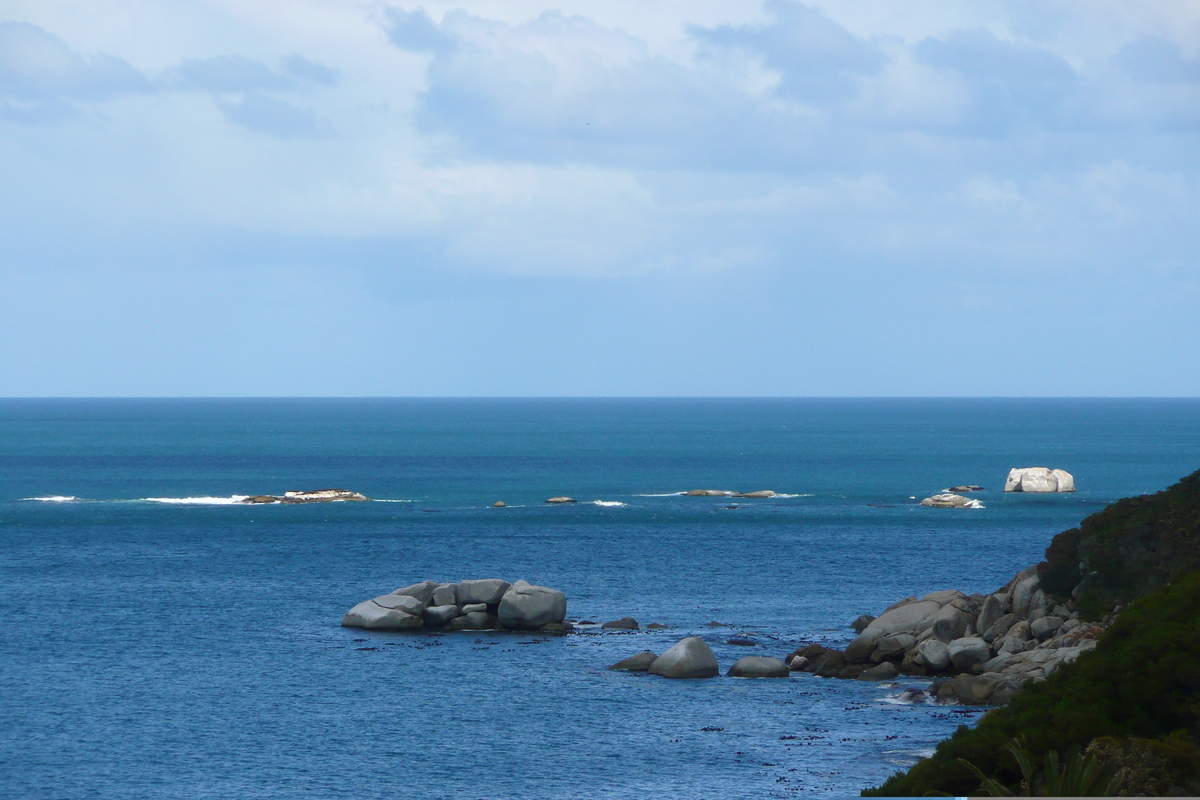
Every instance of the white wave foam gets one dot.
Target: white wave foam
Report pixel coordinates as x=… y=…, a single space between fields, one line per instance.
x=56 y=498
x=794 y=495
x=376 y=500
x=611 y=503
x=198 y=501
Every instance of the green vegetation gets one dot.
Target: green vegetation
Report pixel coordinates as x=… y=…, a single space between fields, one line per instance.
x=1081 y=775
x=1133 y=704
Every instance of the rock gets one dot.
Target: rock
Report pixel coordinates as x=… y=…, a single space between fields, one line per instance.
x=797 y=663
x=556 y=627
x=759 y=667
x=707 y=493
x=893 y=646
x=656 y=626
x=968 y=651
x=1070 y=625
x=1039 y=479
x=999 y=628
x=1045 y=627
x=945 y=596
x=320 y=496
x=471 y=608
x=488 y=591
x=860 y=624
x=899 y=603
x=994 y=607
x=880 y=672
x=440 y=615
x=446 y=594
x=622 y=624
x=966 y=488
x=759 y=495
x=935 y=654
x=498 y=504
x=976 y=690
x=473 y=621
x=742 y=642
x=372 y=616
x=950 y=623
x=422 y=591
x=401 y=602
x=812 y=651
x=687 y=658
x=259 y=499
x=1023 y=595
x=913 y=664
x=949 y=500
x=912 y=618
x=1016 y=638
x=639 y=663
x=525 y=607
x=560 y=500
x=830 y=663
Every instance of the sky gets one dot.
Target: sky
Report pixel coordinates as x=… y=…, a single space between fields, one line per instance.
x=618 y=198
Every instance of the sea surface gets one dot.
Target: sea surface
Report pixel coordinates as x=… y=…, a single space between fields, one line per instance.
x=158 y=640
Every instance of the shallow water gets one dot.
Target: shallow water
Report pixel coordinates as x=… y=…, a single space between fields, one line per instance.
x=191 y=649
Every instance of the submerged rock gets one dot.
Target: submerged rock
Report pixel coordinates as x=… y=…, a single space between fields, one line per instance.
x=759 y=667
x=622 y=624
x=638 y=663
x=762 y=494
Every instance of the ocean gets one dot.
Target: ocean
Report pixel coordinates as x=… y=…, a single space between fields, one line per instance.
x=158 y=640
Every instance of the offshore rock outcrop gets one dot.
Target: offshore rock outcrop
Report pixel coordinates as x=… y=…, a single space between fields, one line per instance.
x=313 y=496
x=464 y=606
x=1039 y=479
x=951 y=500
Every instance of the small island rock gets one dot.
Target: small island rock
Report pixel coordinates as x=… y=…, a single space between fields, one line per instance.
x=949 y=500
x=759 y=667
x=560 y=500
x=1039 y=479
x=687 y=658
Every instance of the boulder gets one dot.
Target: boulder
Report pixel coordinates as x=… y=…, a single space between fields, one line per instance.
x=797 y=663
x=880 y=672
x=1045 y=628
x=488 y=591
x=401 y=602
x=950 y=500
x=473 y=621
x=912 y=618
x=893 y=646
x=372 y=616
x=687 y=658
x=950 y=623
x=1023 y=595
x=557 y=627
x=423 y=591
x=639 y=663
x=762 y=494
x=934 y=654
x=471 y=608
x=860 y=624
x=526 y=607
x=899 y=603
x=446 y=594
x=622 y=624
x=560 y=500
x=994 y=607
x=829 y=664
x=656 y=626
x=976 y=690
x=1039 y=479
x=440 y=615
x=759 y=667
x=944 y=596
x=968 y=651
x=999 y=628
x=707 y=493
x=1015 y=639
x=320 y=496
x=498 y=504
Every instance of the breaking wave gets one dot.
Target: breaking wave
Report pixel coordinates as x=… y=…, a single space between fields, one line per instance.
x=57 y=498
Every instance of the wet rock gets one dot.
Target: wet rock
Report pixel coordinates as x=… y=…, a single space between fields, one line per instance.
x=759 y=667
x=556 y=627
x=880 y=672
x=742 y=642
x=440 y=615
x=638 y=663
x=488 y=591
x=622 y=624
x=828 y=664
x=560 y=500
x=860 y=624
x=688 y=658
x=472 y=621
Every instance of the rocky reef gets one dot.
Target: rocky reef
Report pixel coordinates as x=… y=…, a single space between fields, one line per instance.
x=473 y=605
x=312 y=496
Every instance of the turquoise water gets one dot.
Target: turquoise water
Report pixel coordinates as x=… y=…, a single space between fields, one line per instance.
x=158 y=642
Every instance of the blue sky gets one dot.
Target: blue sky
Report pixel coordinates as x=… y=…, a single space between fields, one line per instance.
x=634 y=197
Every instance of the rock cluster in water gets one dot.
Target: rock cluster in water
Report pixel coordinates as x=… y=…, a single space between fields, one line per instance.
x=759 y=495
x=951 y=500
x=987 y=645
x=474 y=605
x=693 y=658
x=315 y=496
x=1039 y=479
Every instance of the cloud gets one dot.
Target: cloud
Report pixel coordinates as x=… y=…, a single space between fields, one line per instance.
x=307 y=71
x=817 y=60
x=265 y=114
x=37 y=67
x=416 y=32
x=1155 y=60
x=228 y=74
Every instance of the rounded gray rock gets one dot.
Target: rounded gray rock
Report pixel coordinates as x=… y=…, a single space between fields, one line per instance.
x=422 y=591
x=759 y=667
x=372 y=616
x=622 y=624
x=967 y=652
x=687 y=658
x=526 y=607
x=440 y=615
x=488 y=591
x=880 y=672
x=474 y=621
x=638 y=663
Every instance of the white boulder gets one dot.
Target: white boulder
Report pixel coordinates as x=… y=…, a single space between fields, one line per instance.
x=687 y=658
x=1039 y=479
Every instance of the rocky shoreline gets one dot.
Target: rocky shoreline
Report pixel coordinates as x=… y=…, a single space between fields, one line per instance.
x=473 y=605
x=980 y=649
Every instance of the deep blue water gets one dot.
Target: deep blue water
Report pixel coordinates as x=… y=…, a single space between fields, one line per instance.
x=165 y=650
